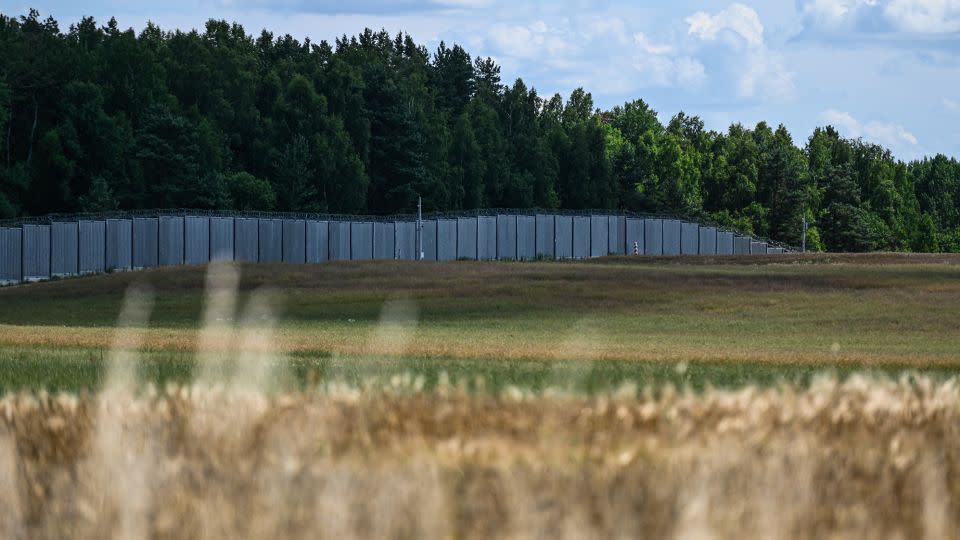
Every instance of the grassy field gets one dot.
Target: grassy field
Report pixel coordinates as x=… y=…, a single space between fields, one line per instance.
x=725 y=321
x=787 y=397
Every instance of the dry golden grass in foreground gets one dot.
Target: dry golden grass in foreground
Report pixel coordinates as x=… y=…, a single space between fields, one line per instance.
x=862 y=459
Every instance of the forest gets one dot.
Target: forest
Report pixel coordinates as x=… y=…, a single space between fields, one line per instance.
x=97 y=118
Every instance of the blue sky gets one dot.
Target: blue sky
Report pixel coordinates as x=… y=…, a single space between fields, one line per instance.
x=884 y=70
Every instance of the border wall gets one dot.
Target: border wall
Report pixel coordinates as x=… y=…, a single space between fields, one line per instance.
x=57 y=246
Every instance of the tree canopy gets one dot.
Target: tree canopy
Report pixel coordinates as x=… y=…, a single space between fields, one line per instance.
x=98 y=118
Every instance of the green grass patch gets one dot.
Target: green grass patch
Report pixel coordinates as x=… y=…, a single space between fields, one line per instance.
x=85 y=370
x=526 y=324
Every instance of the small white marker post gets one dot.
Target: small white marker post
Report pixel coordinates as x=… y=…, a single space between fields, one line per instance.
x=636 y=248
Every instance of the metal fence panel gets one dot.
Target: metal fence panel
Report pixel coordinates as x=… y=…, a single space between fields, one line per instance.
x=361 y=241
x=119 y=244
x=741 y=245
x=318 y=233
x=506 y=237
x=11 y=251
x=689 y=238
x=672 y=232
x=406 y=240
x=171 y=240
x=563 y=237
x=339 y=241
x=36 y=252
x=616 y=231
x=221 y=239
x=270 y=248
x=467 y=238
x=384 y=241
x=599 y=236
x=486 y=238
x=724 y=243
x=145 y=242
x=581 y=237
x=526 y=237
x=446 y=239
x=92 y=246
x=653 y=237
x=708 y=241
x=546 y=236
x=428 y=240
x=196 y=240
x=246 y=239
x=295 y=241
x=64 y=246
x=633 y=236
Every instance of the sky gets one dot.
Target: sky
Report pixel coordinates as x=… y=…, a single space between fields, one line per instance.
x=884 y=70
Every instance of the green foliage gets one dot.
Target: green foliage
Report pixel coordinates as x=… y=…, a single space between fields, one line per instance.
x=950 y=241
x=98 y=118
x=250 y=193
x=926 y=239
x=100 y=197
x=814 y=242
x=294 y=174
x=4 y=104
x=466 y=166
x=7 y=210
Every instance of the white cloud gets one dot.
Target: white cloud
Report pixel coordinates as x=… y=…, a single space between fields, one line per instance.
x=526 y=41
x=689 y=70
x=659 y=65
x=951 y=105
x=759 y=72
x=463 y=3
x=641 y=40
x=825 y=11
x=658 y=70
x=885 y=133
x=844 y=121
x=739 y=19
x=889 y=133
x=917 y=16
x=833 y=13
x=925 y=16
x=605 y=29
x=765 y=74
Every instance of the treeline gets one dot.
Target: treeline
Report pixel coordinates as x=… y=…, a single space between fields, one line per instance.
x=99 y=118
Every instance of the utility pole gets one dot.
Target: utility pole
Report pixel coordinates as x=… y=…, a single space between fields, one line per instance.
x=419 y=228
x=803 y=242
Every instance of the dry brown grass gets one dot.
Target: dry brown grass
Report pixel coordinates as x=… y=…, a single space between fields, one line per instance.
x=861 y=459
x=495 y=344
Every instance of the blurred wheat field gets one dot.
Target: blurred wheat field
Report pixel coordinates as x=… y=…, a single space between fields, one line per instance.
x=867 y=458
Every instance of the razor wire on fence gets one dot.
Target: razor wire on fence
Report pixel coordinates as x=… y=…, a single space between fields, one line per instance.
x=62 y=245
